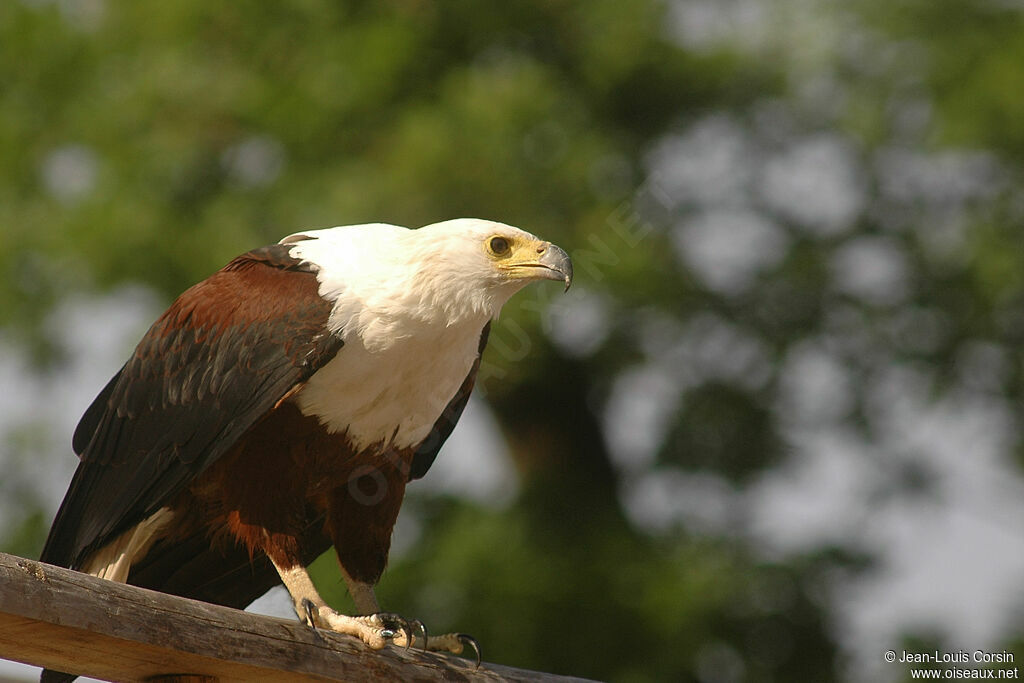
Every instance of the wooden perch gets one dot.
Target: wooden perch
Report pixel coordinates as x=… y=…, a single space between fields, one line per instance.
x=68 y=621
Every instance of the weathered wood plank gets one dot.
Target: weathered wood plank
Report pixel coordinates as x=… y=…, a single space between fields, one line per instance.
x=68 y=621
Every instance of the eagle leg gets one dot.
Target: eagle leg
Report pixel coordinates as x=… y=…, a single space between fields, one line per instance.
x=366 y=602
x=376 y=630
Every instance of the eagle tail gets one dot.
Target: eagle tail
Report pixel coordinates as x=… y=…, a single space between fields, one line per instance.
x=50 y=676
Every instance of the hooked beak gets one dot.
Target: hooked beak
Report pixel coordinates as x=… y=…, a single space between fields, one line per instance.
x=556 y=264
x=543 y=261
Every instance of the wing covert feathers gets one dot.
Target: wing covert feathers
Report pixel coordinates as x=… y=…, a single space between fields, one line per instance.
x=219 y=359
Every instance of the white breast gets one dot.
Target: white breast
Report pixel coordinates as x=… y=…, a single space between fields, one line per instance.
x=391 y=396
x=410 y=306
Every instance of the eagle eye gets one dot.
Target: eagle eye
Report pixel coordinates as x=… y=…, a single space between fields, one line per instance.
x=499 y=246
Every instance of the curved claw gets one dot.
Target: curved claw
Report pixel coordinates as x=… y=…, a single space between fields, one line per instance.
x=466 y=639
x=422 y=628
x=308 y=607
x=394 y=623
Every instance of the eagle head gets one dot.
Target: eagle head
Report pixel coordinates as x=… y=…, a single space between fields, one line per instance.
x=495 y=254
x=459 y=269
x=482 y=263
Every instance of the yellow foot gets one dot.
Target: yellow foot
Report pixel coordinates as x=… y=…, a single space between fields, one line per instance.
x=376 y=630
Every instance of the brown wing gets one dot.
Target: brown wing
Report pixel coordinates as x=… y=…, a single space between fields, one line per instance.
x=214 y=363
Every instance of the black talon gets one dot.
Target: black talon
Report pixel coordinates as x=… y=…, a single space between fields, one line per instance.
x=308 y=607
x=393 y=623
x=471 y=641
x=422 y=629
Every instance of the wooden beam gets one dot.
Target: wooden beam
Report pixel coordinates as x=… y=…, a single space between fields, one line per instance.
x=68 y=621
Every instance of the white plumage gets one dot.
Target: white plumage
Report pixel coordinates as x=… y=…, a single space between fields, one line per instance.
x=409 y=305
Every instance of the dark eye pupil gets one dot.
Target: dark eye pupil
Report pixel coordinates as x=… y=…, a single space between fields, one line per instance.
x=499 y=245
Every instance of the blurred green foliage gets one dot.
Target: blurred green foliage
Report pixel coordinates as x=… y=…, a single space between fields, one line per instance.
x=151 y=142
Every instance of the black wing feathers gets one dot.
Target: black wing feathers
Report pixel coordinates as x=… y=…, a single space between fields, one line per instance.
x=214 y=363
x=93 y=414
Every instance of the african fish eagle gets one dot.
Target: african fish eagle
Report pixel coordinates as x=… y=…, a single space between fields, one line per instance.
x=280 y=407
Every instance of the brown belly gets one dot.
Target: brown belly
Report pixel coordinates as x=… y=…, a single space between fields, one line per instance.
x=286 y=471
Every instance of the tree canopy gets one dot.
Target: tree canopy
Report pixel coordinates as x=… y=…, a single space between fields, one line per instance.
x=797 y=310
